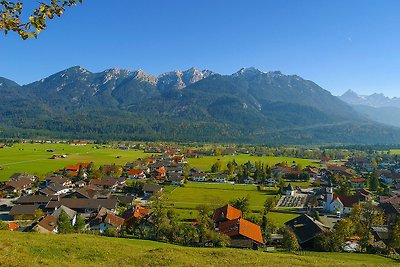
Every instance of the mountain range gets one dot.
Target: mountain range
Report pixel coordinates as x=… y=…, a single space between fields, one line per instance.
x=249 y=106
x=376 y=107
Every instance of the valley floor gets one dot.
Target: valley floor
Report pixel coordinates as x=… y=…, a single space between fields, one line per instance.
x=29 y=249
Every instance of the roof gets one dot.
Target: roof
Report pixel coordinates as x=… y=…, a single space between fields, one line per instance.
x=136 y=212
x=241 y=227
x=135 y=171
x=104 y=182
x=49 y=223
x=381 y=232
x=151 y=188
x=31 y=199
x=53 y=189
x=390 y=208
x=392 y=199
x=91 y=192
x=306 y=228
x=357 y=180
x=365 y=192
x=19 y=184
x=350 y=201
x=23 y=210
x=106 y=216
x=57 y=179
x=113 y=220
x=83 y=203
x=70 y=213
x=176 y=178
x=347 y=201
x=77 y=166
x=226 y=213
x=161 y=170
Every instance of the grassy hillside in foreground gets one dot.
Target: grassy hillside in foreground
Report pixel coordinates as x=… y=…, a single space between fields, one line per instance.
x=22 y=249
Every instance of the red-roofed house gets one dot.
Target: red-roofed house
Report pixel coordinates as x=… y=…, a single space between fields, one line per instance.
x=226 y=213
x=134 y=214
x=136 y=174
x=243 y=234
x=160 y=173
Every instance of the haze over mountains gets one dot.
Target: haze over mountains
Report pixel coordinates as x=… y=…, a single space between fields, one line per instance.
x=248 y=106
x=376 y=107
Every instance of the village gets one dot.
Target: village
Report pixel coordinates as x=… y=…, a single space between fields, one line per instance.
x=350 y=205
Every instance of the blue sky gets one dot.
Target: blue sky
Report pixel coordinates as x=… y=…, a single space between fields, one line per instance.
x=338 y=44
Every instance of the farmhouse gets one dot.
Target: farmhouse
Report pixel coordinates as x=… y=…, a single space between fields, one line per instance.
x=54 y=190
x=71 y=214
x=177 y=179
x=58 y=179
x=83 y=205
x=105 y=219
x=136 y=174
x=89 y=192
x=23 y=212
x=46 y=225
x=160 y=173
x=226 y=213
x=199 y=177
x=105 y=183
x=150 y=189
x=221 y=178
x=306 y=229
x=18 y=185
x=38 y=200
x=134 y=214
x=243 y=234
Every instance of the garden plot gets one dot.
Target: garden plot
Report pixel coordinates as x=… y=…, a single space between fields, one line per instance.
x=296 y=201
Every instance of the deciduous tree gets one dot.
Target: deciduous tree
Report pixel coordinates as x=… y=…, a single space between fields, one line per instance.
x=11 y=14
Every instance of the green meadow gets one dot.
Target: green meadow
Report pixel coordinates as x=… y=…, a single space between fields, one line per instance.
x=30 y=249
x=194 y=194
x=185 y=200
x=34 y=158
x=205 y=163
x=395 y=151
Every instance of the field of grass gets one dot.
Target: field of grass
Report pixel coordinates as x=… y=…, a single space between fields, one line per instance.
x=29 y=249
x=34 y=159
x=279 y=219
x=205 y=163
x=395 y=151
x=184 y=200
x=214 y=195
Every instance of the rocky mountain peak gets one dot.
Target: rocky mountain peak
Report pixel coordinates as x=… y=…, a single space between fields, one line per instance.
x=142 y=76
x=247 y=72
